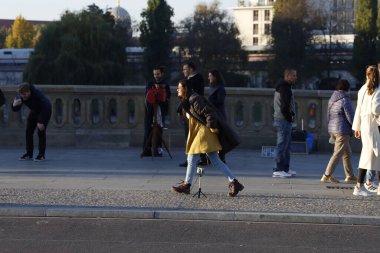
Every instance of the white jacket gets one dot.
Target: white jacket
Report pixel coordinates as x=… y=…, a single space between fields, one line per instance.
x=367 y=120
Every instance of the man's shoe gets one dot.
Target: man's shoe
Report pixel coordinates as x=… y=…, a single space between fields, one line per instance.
x=182 y=188
x=146 y=152
x=39 y=158
x=371 y=188
x=351 y=179
x=25 y=157
x=361 y=192
x=234 y=188
x=183 y=164
x=281 y=174
x=329 y=179
x=292 y=172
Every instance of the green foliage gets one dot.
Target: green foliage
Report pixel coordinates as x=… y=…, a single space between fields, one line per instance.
x=211 y=39
x=291 y=33
x=156 y=34
x=22 y=34
x=81 y=48
x=365 y=39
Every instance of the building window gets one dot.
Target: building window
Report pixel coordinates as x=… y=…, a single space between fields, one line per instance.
x=255 y=41
x=270 y=2
x=255 y=29
x=267 y=29
x=255 y=15
x=267 y=15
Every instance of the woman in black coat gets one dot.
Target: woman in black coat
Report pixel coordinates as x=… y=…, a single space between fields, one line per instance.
x=216 y=97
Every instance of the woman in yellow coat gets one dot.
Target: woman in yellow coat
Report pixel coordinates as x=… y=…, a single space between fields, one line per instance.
x=202 y=138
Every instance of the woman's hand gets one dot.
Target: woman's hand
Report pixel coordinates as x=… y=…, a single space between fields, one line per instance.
x=214 y=130
x=357 y=134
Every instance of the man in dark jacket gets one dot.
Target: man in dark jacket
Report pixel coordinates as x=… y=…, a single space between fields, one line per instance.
x=39 y=116
x=156 y=91
x=284 y=116
x=196 y=83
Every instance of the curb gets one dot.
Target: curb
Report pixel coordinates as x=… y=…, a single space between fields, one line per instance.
x=172 y=214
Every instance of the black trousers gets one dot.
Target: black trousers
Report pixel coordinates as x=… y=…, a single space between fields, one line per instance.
x=362 y=173
x=31 y=126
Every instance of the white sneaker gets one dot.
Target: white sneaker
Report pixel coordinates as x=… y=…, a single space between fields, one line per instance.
x=361 y=192
x=292 y=172
x=371 y=187
x=281 y=174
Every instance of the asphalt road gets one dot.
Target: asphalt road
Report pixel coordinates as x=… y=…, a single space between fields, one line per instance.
x=63 y=235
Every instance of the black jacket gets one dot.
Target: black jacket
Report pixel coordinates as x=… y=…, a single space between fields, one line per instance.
x=199 y=108
x=217 y=97
x=38 y=104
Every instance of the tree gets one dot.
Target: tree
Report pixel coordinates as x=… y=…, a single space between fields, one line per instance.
x=3 y=35
x=365 y=39
x=21 y=35
x=291 y=33
x=81 y=48
x=156 y=34
x=211 y=38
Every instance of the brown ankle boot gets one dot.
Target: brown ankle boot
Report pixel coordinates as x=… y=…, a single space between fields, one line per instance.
x=235 y=187
x=182 y=188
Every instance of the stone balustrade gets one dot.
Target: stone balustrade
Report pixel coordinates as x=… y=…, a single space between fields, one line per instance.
x=113 y=116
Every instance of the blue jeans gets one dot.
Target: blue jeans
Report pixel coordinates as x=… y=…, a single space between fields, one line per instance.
x=370 y=175
x=215 y=161
x=284 y=140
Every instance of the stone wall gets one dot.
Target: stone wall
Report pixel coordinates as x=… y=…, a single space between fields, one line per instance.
x=113 y=116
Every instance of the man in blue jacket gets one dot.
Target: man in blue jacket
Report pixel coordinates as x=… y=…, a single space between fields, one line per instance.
x=284 y=116
x=39 y=116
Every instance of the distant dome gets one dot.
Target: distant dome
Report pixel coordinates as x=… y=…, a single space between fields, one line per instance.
x=122 y=18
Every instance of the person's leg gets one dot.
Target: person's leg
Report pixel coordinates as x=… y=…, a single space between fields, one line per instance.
x=346 y=157
x=283 y=145
x=288 y=142
x=217 y=163
x=370 y=176
x=361 y=177
x=186 y=131
x=359 y=190
x=191 y=167
x=148 y=120
x=41 y=142
x=234 y=185
x=337 y=154
x=222 y=156
x=31 y=125
x=280 y=149
x=184 y=187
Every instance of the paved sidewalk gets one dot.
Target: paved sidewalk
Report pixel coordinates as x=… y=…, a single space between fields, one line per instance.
x=117 y=183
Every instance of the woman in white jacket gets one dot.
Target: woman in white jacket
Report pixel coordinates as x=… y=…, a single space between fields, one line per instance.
x=366 y=127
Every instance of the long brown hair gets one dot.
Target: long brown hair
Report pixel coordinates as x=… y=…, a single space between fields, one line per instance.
x=372 y=74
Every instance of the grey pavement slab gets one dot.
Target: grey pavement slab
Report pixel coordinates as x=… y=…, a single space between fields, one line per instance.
x=91 y=182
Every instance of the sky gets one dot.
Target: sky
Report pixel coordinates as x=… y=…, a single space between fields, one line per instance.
x=53 y=9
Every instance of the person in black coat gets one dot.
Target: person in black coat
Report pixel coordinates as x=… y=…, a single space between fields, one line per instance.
x=216 y=97
x=157 y=86
x=39 y=117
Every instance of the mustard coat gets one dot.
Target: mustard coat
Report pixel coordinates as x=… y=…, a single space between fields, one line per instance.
x=200 y=139
x=203 y=117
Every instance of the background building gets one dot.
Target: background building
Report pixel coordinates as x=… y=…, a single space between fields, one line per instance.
x=254 y=18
